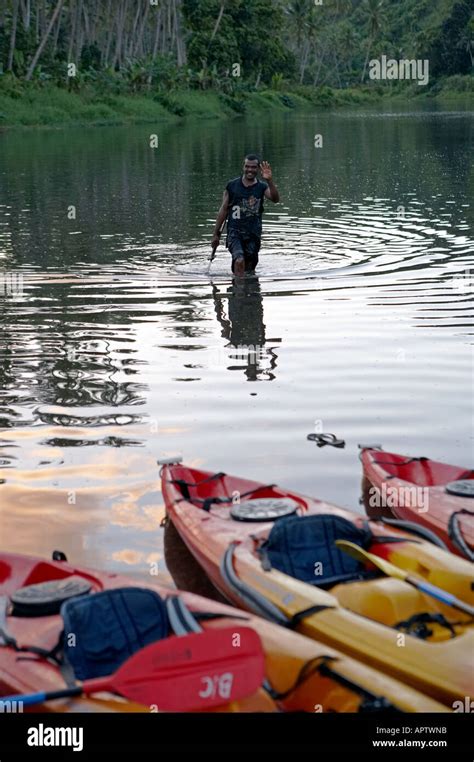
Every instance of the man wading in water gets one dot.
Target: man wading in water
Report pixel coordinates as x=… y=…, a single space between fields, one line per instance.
x=242 y=206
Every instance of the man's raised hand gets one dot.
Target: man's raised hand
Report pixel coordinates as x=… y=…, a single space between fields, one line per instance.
x=266 y=170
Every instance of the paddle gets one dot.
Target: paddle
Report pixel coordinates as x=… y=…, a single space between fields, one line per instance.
x=213 y=254
x=393 y=571
x=214 y=248
x=181 y=674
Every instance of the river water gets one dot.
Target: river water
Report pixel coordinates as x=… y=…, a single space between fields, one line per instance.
x=118 y=348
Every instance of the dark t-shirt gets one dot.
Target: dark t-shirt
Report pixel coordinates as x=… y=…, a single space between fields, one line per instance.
x=245 y=206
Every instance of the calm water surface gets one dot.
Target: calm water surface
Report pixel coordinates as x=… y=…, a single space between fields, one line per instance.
x=116 y=348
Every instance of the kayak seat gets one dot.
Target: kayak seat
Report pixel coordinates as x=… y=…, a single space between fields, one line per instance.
x=304 y=548
x=103 y=630
x=100 y=631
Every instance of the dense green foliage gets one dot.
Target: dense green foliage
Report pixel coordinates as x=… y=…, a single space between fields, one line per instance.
x=232 y=46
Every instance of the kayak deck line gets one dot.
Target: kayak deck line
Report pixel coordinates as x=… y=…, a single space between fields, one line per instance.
x=369 y=617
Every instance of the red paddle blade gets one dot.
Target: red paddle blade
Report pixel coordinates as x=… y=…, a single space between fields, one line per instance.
x=190 y=673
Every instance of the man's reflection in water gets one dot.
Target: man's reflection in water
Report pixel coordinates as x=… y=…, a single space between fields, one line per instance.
x=244 y=329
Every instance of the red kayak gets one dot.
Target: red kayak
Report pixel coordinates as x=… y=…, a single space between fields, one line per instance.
x=433 y=495
x=276 y=553
x=301 y=674
x=32 y=590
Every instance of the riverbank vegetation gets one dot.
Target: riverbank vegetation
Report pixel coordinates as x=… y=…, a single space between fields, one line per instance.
x=106 y=61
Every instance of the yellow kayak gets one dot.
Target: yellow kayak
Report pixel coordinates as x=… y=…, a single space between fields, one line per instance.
x=234 y=526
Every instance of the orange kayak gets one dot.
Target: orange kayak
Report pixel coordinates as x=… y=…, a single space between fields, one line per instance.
x=301 y=675
x=238 y=530
x=431 y=494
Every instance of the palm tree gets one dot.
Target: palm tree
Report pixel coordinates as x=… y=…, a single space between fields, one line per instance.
x=465 y=40
x=181 y=54
x=298 y=11
x=13 y=35
x=26 y=13
x=376 y=16
x=342 y=6
x=312 y=27
x=219 y=19
x=44 y=39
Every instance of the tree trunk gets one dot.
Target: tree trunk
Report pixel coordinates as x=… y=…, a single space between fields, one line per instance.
x=43 y=42
x=155 y=44
x=26 y=13
x=13 y=35
x=80 y=33
x=134 y=30
x=87 y=26
x=304 y=62
x=469 y=50
x=95 y=23
x=139 y=52
x=73 y=14
x=37 y=20
x=336 y=62
x=173 y=26
x=118 y=37
x=316 y=76
x=118 y=57
x=163 y=34
x=219 y=19
x=79 y=46
x=56 y=33
x=110 y=34
x=44 y=15
x=180 y=43
x=168 y=34
x=157 y=35
x=366 y=59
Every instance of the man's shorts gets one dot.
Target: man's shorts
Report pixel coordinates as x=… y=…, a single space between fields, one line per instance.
x=246 y=246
